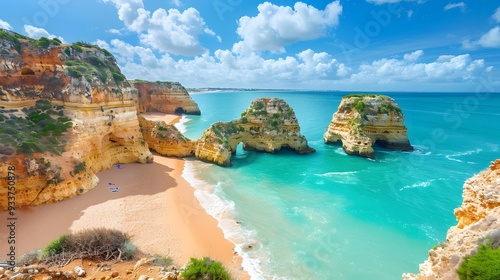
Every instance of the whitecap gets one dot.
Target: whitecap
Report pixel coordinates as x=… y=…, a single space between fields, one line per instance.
x=424 y=184
x=453 y=157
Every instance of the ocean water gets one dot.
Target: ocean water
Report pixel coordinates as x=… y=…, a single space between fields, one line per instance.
x=328 y=215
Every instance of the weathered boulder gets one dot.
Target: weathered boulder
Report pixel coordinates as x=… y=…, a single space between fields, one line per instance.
x=363 y=120
x=478 y=221
x=166 y=139
x=268 y=125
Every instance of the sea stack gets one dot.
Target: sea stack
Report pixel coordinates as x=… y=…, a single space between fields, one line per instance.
x=362 y=120
x=267 y=125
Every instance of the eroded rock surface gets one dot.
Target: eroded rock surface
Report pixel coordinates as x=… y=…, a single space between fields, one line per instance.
x=66 y=112
x=478 y=220
x=166 y=139
x=364 y=120
x=268 y=125
x=164 y=97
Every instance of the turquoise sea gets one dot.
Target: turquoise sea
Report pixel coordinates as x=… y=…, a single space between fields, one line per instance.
x=328 y=215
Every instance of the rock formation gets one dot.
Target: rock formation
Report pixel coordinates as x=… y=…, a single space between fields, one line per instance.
x=268 y=125
x=164 y=97
x=66 y=113
x=166 y=139
x=478 y=220
x=363 y=120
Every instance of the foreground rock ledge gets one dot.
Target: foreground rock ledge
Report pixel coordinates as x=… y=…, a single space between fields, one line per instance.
x=363 y=120
x=478 y=218
x=268 y=125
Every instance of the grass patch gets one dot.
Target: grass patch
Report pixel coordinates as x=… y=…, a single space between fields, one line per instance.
x=12 y=38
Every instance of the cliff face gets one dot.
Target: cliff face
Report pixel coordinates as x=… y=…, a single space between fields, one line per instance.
x=166 y=139
x=478 y=219
x=164 y=97
x=66 y=112
x=364 y=120
x=268 y=125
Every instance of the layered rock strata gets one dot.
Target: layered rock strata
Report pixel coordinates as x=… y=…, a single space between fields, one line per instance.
x=166 y=139
x=268 y=125
x=67 y=112
x=478 y=221
x=364 y=120
x=164 y=97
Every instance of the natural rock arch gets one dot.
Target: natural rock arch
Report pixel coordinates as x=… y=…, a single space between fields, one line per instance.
x=268 y=125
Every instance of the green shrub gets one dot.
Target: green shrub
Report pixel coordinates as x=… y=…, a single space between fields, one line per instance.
x=205 y=268
x=77 y=48
x=79 y=167
x=55 y=247
x=43 y=42
x=484 y=265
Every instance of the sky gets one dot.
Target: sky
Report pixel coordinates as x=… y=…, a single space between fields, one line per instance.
x=363 y=45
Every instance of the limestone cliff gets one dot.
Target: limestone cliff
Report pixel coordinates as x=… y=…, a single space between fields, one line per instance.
x=478 y=219
x=66 y=113
x=363 y=120
x=165 y=139
x=164 y=97
x=268 y=125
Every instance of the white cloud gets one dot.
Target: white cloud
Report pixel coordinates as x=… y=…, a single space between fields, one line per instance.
x=410 y=14
x=5 y=25
x=37 y=32
x=489 y=40
x=114 y=31
x=381 y=2
x=413 y=56
x=277 y=26
x=450 y=6
x=306 y=70
x=169 y=31
x=176 y=2
x=446 y=68
x=496 y=15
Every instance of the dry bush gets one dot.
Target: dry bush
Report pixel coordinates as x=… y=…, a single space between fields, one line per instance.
x=100 y=244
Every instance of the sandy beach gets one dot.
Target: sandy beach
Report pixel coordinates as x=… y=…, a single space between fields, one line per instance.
x=151 y=202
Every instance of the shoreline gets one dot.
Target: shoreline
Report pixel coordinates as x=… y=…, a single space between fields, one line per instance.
x=153 y=203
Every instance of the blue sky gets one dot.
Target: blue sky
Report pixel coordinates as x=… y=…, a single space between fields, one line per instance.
x=364 y=45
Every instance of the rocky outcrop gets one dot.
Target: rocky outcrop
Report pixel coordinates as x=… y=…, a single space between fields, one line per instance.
x=363 y=120
x=478 y=220
x=164 y=97
x=268 y=125
x=166 y=139
x=66 y=113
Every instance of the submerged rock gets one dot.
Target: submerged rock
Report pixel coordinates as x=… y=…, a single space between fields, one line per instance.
x=268 y=125
x=363 y=120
